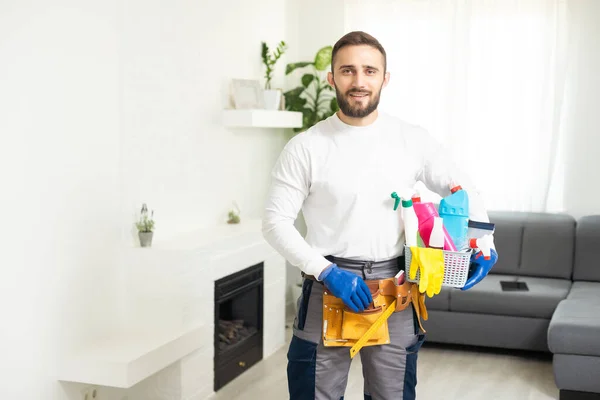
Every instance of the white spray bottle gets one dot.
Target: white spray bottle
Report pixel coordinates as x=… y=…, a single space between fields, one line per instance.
x=484 y=244
x=411 y=223
x=436 y=240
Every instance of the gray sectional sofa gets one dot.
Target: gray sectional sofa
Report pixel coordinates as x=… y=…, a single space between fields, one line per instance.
x=556 y=256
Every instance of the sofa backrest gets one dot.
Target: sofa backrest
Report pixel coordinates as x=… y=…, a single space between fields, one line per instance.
x=587 y=248
x=534 y=244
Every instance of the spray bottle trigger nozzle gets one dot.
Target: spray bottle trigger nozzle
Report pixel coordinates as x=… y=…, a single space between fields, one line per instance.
x=397 y=202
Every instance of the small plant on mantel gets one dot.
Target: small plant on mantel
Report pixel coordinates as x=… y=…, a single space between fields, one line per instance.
x=145 y=226
x=234 y=214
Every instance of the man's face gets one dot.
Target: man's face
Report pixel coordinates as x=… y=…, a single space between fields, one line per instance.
x=358 y=78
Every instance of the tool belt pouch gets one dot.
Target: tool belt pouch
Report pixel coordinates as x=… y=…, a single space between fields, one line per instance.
x=343 y=327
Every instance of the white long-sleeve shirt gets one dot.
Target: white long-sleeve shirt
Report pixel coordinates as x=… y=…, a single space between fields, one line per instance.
x=342 y=177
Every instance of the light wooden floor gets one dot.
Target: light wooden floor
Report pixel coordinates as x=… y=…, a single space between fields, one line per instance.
x=444 y=372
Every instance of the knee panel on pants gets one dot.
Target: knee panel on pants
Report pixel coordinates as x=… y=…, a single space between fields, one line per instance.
x=302 y=359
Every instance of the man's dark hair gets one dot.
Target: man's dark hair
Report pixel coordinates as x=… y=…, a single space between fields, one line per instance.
x=358 y=38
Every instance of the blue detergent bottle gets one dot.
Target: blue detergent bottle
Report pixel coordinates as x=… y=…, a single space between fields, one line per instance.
x=454 y=209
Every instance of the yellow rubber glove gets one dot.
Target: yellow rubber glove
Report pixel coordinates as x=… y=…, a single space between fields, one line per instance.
x=416 y=266
x=430 y=264
x=414 y=262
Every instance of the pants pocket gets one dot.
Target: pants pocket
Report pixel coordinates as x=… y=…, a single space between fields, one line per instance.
x=303 y=304
x=355 y=325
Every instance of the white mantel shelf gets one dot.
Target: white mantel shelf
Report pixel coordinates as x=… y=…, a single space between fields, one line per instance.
x=186 y=263
x=125 y=360
x=262 y=119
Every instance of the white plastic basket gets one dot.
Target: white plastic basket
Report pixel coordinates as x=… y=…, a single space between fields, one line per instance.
x=456 y=267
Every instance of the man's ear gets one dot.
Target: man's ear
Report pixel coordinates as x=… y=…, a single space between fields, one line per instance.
x=386 y=79
x=330 y=79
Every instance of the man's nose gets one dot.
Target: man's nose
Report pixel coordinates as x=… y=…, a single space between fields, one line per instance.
x=359 y=80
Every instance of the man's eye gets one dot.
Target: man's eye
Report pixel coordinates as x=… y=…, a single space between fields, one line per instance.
x=346 y=71
x=370 y=71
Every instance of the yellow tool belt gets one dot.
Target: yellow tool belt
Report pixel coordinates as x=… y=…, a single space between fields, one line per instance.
x=343 y=327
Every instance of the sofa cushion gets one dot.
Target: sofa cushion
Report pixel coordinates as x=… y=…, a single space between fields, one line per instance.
x=508 y=239
x=548 y=246
x=587 y=241
x=575 y=328
x=588 y=291
x=534 y=244
x=441 y=301
x=487 y=297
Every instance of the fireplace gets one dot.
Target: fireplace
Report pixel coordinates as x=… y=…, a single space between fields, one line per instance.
x=238 y=323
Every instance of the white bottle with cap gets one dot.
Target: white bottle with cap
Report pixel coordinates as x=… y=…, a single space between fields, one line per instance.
x=411 y=223
x=436 y=240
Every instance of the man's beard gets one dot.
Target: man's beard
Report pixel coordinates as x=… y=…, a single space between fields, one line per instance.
x=356 y=111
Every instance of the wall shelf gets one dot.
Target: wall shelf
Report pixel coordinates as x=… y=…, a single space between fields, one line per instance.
x=262 y=118
x=126 y=360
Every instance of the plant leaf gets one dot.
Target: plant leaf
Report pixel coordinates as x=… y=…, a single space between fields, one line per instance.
x=293 y=101
x=265 y=53
x=309 y=118
x=323 y=58
x=334 y=105
x=291 y=67
x=307 y=79
x=295 y=92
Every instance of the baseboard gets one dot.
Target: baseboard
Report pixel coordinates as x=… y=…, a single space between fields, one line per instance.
x=574 y=395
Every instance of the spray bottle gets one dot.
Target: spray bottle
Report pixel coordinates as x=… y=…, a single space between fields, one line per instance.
x=484 y=244
x=409 y=218
x=436 y=240
x=411 y=223
x=455 y=211
x=416 y=197
x=426 y=212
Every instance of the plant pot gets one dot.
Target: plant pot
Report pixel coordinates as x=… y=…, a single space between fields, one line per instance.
x=145 y=238
x=272 y=99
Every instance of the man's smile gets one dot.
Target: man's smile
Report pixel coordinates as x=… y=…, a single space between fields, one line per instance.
x=359 y=95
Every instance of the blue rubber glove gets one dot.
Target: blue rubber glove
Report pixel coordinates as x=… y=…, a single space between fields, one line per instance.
x=344 y=285
x=481 y=267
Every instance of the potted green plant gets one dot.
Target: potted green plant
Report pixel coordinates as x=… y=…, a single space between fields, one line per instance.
x=145 y=226
x=234 y=214
x=314 y=98
x=272 y=98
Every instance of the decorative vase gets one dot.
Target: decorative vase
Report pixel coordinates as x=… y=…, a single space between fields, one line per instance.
x=272 y=99
x=145 y=238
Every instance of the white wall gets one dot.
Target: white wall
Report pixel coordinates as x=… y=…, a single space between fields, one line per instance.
x=106 y=105
x=59 y=78
x=321 y=24
x=177 y=60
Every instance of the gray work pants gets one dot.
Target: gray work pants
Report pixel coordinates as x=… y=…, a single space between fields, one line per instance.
x=321 y=373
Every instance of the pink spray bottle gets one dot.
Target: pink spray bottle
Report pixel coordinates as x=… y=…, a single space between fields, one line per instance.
x=426 y=213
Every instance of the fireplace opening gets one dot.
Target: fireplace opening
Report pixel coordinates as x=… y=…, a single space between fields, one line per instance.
x=238 y=323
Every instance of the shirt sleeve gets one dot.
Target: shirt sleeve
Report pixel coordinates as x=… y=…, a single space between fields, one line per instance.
x=290 y=186
x=439 y=171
